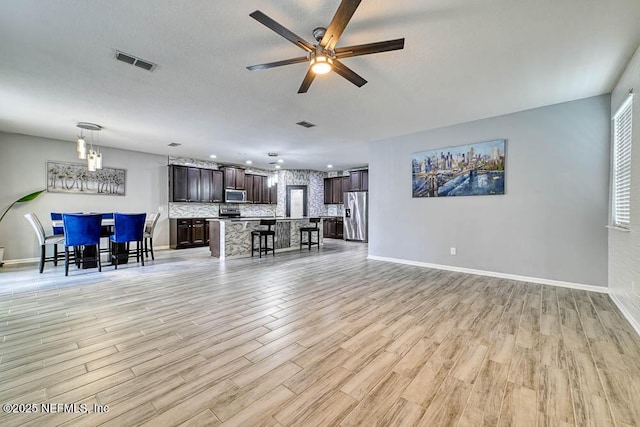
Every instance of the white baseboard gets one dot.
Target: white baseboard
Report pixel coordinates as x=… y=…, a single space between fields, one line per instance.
x=571 y=285
x=623 y=309
x=21 y=261
x=37 y=259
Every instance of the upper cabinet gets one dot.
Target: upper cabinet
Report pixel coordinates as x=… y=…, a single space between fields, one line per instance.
x=258 y=190
x=184 y=184
x=359 y=180
x=334 y=188
x=234 y=178
x=178 y=183
x=189 y=184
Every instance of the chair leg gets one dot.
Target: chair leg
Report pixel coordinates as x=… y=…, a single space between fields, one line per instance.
x=66 y=260
x=115 y=251
x=139 y=246
x=151 y=248
x=273 y=244
x=260 y=246
x=55 y=255
x=98 y=255
x=42 y=254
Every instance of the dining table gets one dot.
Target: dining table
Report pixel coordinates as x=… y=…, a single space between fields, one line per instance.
x=89 y=252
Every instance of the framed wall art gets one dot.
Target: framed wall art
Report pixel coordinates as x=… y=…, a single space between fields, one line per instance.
x=466 y=170
x=75 y=178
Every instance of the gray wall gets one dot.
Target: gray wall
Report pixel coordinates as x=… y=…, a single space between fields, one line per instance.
x=23 y=170
x=550 y=224
x=624 y=246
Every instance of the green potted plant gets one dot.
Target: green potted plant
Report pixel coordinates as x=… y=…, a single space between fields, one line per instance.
x=22 y=199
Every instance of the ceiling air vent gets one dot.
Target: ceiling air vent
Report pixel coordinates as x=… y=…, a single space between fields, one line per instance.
x=132 y=60
x=305 y=124
x=174 y=144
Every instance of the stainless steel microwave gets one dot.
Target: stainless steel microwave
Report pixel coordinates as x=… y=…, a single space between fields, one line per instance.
x=235 y=196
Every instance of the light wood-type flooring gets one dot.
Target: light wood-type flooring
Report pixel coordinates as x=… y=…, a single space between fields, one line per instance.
x=310 y=339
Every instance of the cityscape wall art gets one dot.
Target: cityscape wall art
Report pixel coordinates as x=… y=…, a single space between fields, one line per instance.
x=466 y=170
x=75 y=178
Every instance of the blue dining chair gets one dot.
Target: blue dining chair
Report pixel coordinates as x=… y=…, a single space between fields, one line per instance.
x=81 y=232
x=128 y=228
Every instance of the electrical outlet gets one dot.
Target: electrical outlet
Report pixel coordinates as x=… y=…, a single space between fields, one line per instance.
x=453 y=251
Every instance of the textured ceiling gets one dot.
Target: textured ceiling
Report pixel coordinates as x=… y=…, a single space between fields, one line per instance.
x=463 y=60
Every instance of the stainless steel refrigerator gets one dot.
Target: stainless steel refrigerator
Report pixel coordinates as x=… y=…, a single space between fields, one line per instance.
x=356 y=216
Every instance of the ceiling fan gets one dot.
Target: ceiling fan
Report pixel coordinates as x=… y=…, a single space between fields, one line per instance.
x=324 y=56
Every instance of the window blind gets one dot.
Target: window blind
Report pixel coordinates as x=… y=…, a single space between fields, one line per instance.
x=622 y=121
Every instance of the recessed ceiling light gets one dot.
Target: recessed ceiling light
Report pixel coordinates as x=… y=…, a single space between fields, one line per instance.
x=280 y=161
x=174 y=144
x=213 y=156
x=248 y=162
x=277 y=166
x=329 y=166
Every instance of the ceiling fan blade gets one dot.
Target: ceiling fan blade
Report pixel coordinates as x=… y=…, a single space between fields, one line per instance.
x=369 y=48
x=339 y=22
x=348 y=73
x=308 y=78
x=278 y=63
x=287 y=34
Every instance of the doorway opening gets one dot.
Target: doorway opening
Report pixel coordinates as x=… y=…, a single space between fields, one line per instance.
x=296 y=201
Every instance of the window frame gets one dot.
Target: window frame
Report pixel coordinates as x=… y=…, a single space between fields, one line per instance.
x=622 y=144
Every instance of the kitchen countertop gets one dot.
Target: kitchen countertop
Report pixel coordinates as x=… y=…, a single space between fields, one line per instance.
x=258 y=218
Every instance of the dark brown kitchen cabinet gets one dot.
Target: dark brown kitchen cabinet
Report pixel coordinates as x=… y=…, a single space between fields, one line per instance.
x=359 y=180
x=248 y=186
x=336 y=197
x=328 y=191
x=257 y=189
x=333 y=190
x=333 y=228
x=210 y=186
x=188 y=184
x=234 y=178
x=346 y=184
x=198 y=228
x=188 y=233
x=217 y=187
x=206 y=185
x=178 y=183
x=185 y=184
x=258 y=182
x=193 y=185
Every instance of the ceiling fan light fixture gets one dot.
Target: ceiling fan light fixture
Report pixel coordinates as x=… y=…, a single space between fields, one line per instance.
x=321 y=64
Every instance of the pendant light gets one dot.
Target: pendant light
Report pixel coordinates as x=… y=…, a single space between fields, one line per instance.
x=94 y=158
x=81 y=146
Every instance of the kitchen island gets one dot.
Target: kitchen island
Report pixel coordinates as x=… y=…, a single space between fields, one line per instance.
x=231 y=237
